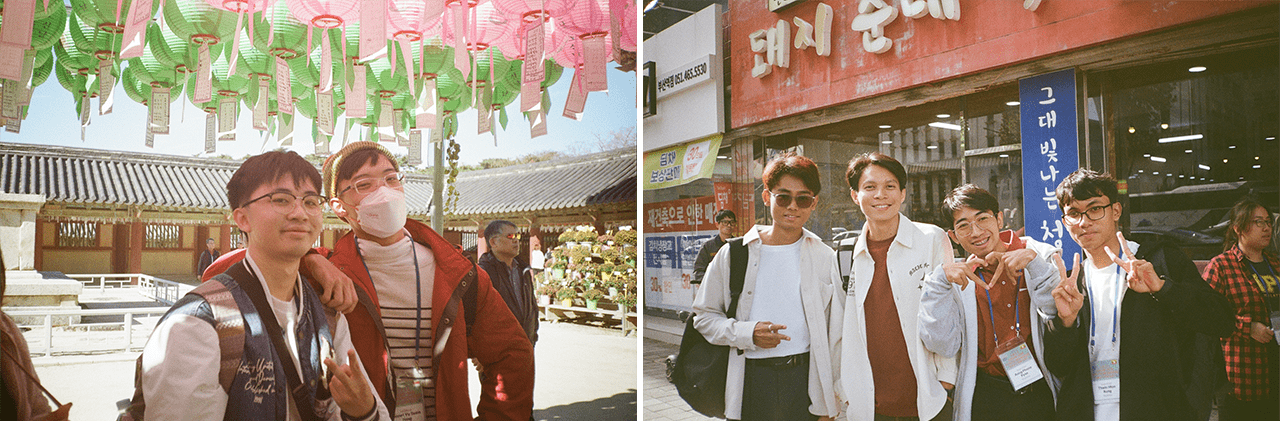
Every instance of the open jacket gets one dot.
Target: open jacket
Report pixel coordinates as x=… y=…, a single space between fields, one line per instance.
x=1157 y=342
x=949 y=321
x=496 y=341
x=820 y=296
x=1246 y=359
x=525 y=310
x=916 y=251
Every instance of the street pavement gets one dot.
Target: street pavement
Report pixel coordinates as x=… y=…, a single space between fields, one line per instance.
x=583 y=373
x=661 y=401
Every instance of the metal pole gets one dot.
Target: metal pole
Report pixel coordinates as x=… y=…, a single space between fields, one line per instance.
x=437 y=187
x=48 y=335
x=128 y=331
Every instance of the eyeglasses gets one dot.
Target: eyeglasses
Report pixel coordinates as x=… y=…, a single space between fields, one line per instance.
x=728 y=222
x=1095 y=213
x=283 y=202
x=513 y=237
x=369 y=184
x=965 y=228
x=784 y=200
x=1262 y=222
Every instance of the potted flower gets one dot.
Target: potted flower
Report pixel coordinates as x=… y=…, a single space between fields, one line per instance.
x=592 y=296
x=565 y=295
x=568 y=238
x=625 y=237
x=626 y=301
x=545 y=292
x=610 y=254
x=606 y=271
x=557 y=270
x=605 y=239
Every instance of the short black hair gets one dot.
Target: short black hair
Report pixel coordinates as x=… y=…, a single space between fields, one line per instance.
x=267 y=168
x=725 y=214
x=1083 y=184
x=859 y=164
x=495 y=227
x=791 y=164
x=968 y=196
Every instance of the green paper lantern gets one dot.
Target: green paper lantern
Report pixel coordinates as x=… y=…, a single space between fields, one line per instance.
x=198 y=21
x=288 y=35
x=46 y=30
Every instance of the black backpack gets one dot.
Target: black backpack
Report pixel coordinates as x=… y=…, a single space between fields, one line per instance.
x=701 y=368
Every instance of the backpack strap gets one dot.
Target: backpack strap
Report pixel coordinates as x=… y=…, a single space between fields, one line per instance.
x=229 y=324
x=465 y=288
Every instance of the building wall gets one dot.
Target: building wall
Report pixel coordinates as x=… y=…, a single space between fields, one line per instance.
x=178 y=261
x=77 y=261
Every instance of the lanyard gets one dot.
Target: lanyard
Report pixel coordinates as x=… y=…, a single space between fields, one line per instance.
x=1093 y=317
x=991 y=312
x=417 y=273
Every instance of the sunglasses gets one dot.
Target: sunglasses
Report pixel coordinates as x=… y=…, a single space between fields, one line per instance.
x=784 y=200
x=513 y=237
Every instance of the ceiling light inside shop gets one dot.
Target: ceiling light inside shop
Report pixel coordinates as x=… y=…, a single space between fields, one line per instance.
x=1204 y=167
x=887 y=142
x=1270 y=138
x=944 y=115
x=932 y=147
x=1131 y=129
x=947 y=126
x=1169 y=175
x=1139 y=171
x=1146 y=155
x=1187 y=151
x=1004 y=155
x=1197 y=69
x=1013 y=103
x=1224 y=160
x=1155 y=173
x=722 y=157
x=1180 y=138
x=1164 y=126
x=1181 y=176
x=885 y=126
x=1256 y=166
x=1157 y=159
x=1257 y=158
x=1231 y=147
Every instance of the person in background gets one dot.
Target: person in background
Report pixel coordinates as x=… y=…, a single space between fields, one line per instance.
x=511 y=276
x=1123 y=342
x=1246 y=274
x=888 y=373
x=725 y=221
x=207 y=257
x=537 y=259
x=991 y=309
x=22 y=397
x=782 y=341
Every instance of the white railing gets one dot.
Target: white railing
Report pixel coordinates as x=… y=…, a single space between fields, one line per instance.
x=158 y=289
x=48 y=315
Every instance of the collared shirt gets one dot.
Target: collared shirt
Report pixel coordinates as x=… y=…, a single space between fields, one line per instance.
x=1003 y=302
x=1249 y=362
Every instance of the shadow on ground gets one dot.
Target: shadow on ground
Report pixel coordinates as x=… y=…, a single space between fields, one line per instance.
x=621 y=406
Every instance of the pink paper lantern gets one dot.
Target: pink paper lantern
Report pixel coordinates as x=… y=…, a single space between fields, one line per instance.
x=489 y=27
x=325 y=14
x=566 y=49
x=409 y=20
x=625 y=12
x=238 y=6
x=513 y=46
x=529 y=10
x=590 y=16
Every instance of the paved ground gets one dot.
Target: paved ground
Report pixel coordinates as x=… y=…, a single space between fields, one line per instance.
x=584 y=373
x=661 y=402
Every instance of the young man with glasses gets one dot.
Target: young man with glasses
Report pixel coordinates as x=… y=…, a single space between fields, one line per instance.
x=782 y=340
x=511 y=276
x=1123 y=341
x=990 y=309
x=288 y=340
x=725 y=221
x=887 y=372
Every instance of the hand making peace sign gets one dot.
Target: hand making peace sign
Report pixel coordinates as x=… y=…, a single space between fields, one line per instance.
x=1142 y=275
x=1067 y=296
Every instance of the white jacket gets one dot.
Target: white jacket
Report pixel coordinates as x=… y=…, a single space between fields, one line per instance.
x=819 y=295
x=949 y=321
x=916 y=251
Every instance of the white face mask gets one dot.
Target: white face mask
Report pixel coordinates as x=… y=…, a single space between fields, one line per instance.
x=383 y=212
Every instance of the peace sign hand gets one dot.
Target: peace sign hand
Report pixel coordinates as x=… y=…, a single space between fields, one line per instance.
x=1067 y=296
x=1142 y=275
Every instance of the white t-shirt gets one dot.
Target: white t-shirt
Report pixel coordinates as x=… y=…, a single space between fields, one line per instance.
x=1107 y=287
x=777 y=299
x=536 y=259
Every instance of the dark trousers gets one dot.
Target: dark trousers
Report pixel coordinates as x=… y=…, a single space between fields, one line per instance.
x=1237 y=410
x=944 y=415
x=777 y=389
x=995 y=399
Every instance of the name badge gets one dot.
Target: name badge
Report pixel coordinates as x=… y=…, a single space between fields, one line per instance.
x=1106 y=381
x=1018 y=363
x=409 y=391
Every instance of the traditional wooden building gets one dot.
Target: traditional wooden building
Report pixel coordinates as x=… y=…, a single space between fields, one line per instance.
x=127 y=212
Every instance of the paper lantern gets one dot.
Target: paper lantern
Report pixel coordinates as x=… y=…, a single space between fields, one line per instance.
x=513 y=46
x=488 y=28
x=325 y=14
x=198 y=22
x=278 y=33
x=46 y=30
x=530 y=10
x=409 y=20
x=102 y=14
x=587 y=17
x=92 y=41
x=568 y=49
x=151 y=69
x=625 y=12
x=133 y=88
x=239 y=6
x=43 y=67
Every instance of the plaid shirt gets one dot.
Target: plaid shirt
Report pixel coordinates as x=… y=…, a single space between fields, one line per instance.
x=1249 y=363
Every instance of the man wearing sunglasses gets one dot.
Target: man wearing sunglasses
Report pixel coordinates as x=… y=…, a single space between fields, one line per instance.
x=989 y=309
x=511 y=276
x=287 y=341
x=890 y=261
x=725 y=222
x=782 y=340
x=1123 y=341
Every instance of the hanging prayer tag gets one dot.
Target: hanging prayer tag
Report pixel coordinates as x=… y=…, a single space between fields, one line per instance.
x=204 y=77
x=284 y=89
x=538 y=123
x=415 y=147
x=324 y=113
x=577 y=99
x=593 y=63
x=1018 y=363
x=286 y=129
x=227 y=119
x=260 y=107
x=533 y=46
x=106 y=83
x=210 y=132
x=159 y=110
x=357 y=106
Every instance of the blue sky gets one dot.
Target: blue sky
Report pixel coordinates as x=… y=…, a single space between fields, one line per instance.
x=52 y=120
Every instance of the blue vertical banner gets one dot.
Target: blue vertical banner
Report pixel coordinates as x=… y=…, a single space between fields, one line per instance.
x=1050 y=151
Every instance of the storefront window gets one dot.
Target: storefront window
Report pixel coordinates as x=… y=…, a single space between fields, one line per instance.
x=1190 y=138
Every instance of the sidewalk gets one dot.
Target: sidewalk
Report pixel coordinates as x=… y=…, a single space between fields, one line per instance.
x=583 y=373
x=661 y=401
